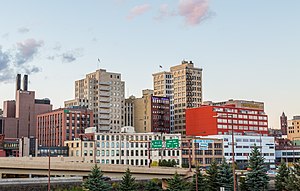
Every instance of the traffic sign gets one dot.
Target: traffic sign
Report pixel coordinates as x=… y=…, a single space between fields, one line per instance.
x=172 y=143
x=156 y=144
x=203 y=141
x=203 y=145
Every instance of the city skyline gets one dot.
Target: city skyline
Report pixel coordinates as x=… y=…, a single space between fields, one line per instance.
x=247 y=50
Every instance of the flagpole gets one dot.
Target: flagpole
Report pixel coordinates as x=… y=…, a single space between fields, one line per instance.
x=98 y=63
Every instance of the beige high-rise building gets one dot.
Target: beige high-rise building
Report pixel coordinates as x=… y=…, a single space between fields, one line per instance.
x=151 y=113
x=129 y=111
x=293 y=130
x=103 y=93
x=142 y=112
x=183 y=85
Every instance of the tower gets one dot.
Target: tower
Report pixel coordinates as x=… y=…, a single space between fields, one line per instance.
x=283 y=124
x=183 y=85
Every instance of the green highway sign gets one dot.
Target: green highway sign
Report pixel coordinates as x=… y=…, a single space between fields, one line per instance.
x=156 y=144
x=172 y=143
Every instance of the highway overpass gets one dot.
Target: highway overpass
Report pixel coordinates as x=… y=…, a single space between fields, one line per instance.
x=69 y=167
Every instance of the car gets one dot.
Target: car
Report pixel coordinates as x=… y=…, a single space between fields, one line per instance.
x=271 y=172
x=106 y=178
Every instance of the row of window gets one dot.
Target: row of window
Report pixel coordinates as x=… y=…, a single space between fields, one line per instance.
x=242 y=122
x=136 y=162
x=132 y=137
x=205 y=152
x=247 y=147
x=248 y=154
x=253 y=128
x=252 y=116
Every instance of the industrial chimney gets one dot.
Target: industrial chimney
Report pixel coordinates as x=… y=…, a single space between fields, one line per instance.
x=18 y=82
x=25 y=82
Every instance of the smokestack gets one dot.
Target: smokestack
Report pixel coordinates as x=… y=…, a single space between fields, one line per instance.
x=25 y=82
x=18 y=82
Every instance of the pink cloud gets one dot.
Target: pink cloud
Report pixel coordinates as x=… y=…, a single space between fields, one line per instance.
x=194 y=11
x=163 y=12
x=138 y=10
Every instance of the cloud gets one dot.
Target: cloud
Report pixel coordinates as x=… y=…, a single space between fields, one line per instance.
x=138 y=10
x=5 y=35
x=32 y=69
x=57 y=47
x=163 y=12
x=94 y=39
x=8 y=68
x=194 y=11
x=4 y=59
x=7 y=75
x=68 y=57
x=50 y=57
x=23 y=30
x=27 y=50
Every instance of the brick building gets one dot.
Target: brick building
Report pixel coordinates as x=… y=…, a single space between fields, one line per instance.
x=57 y=126
x=244 y=117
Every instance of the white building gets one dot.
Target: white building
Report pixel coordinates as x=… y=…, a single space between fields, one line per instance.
x=132 y=148
x=244 y=145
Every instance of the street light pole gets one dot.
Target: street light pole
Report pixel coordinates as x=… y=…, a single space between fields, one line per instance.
x=197 y=179
x=233 y=161
x=233 y=153
x=190 y=159
x=49 y=158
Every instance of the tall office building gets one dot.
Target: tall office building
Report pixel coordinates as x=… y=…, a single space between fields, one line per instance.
x=283 y=124
x=151 y=113
x=163 y=86
x=183 y=85
x=103 y=93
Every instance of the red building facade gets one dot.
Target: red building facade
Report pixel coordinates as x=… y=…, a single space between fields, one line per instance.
x=53 y=128
x=217 y=119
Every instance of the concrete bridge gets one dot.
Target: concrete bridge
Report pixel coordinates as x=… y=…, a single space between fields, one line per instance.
x=73 y=166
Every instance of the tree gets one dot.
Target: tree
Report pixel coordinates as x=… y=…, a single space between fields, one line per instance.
x=226 y=176
x=95 y=181
x=128 y=182
x=293 y=180
x=153 y=185
x=212 y=178
x=257 y=179
x=243 y=185
x=200 y=181
x=176 y=183
x=281 y=177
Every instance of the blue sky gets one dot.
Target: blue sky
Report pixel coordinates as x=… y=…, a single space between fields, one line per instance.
x=247 y=49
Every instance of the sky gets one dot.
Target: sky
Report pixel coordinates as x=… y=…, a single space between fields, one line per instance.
x=247 y=49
